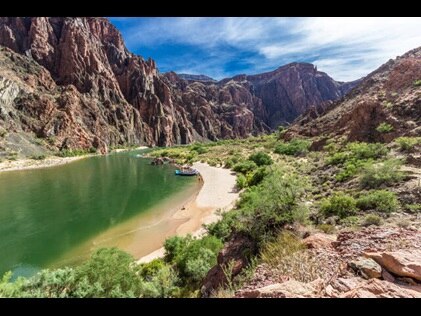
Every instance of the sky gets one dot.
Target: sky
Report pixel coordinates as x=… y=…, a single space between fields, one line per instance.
x=344 y=48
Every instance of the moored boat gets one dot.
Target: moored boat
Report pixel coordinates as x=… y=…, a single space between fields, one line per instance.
x=186 y=172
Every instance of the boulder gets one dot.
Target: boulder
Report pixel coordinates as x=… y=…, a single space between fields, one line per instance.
x=319 y=240
x=376 y=288
x=288 y=289
x=404 y=263
x=367 y=268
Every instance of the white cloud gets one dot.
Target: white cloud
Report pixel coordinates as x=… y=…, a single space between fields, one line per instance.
x=345 y=48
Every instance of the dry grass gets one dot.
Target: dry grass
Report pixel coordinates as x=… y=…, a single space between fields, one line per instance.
x=287 y=257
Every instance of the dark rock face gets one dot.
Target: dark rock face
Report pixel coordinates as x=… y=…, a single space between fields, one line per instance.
x=292 y=89
x=388 y=95
x=199 y=78
x=92 y=92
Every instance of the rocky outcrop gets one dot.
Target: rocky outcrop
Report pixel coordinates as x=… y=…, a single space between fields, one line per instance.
x=200 y=78
x=232 y=258
x=353 y=275
x=292 y=89
x=287 y=289
x=374 y=288
x=367 y=268
x=117 y=97
x=121 y=97
x=319 y=240
x=388 y=95
x=400 y=263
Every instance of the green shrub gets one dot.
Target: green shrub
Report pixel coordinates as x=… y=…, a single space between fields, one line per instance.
x=3 y=133
x=413 y=208
x=384 y=128
x=380 y=200
x=38 y=157
x=192 y=257
x=241 y=181
x=350 y=221
x=293 y=148
x=361 y=150
x=261 y=158
x=150 y=269
x=263 y=208
x=327 y=228
x=385 y=173
x=257 y=176
x=162 y=283
x=339 y=204
x=76 y=152
x=11 y=289
x=371 y=219
x=199 y=149
x=337 y=158
x=407 y=143
x=350 y=169
x=245 y=166
x=112 y=272
x=417 y=83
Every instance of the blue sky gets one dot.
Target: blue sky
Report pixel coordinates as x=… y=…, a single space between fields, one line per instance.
x=345 y=48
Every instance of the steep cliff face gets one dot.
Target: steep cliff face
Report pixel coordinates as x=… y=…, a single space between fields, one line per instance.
x=81 y=87
x=389 y=95
x=290 y=90
x=129 y=101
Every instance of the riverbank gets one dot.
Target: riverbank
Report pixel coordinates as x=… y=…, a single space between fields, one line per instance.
x=119 y=150
x=26 y=164
x=217 y=193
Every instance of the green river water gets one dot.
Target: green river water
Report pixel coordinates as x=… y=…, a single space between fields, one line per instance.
x=53 y=216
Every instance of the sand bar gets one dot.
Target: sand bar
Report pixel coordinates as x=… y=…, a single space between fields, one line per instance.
x=217 y=192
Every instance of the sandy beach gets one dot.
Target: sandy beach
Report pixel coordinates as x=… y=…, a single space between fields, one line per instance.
x=128 y=149
x=217 y=193
x=25 y=164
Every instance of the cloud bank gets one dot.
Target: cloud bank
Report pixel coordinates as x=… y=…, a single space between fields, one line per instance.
x=345 y=48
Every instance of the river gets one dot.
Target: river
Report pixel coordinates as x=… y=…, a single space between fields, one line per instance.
x=57 y=216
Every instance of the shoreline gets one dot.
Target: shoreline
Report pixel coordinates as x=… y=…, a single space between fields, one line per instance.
x=217 y=193
x=119 y=150
x=51 y=161
x=29 y=164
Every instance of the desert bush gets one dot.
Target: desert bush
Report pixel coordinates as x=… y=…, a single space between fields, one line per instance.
x=112 y=272
x=413 y=208
x=361 y=150
x=417 y=83
x=295 y=147
x=385 y=173
x=350 y=221
x=38 y=157
x=380 y=200
x=192 y=257
x=384 y=128
x=263 y=208
x=261 y=158
x=257 y=176
x=407 y=143
x=327 y=228
x=371 y=219
x=161 y=284
x=339 y=204
x=241 y=181
x=245 y=166
x=199 y=149
x=76 y=152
